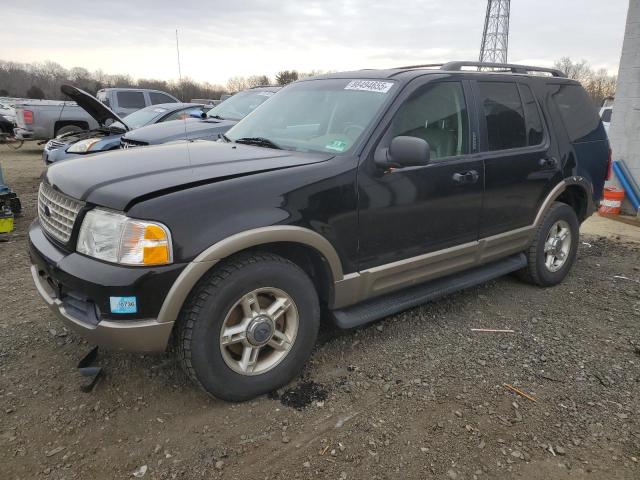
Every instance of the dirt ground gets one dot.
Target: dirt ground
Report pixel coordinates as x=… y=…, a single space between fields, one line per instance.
x=418 y=395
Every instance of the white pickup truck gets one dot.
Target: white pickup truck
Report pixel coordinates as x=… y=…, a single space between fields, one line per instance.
x=46 y=119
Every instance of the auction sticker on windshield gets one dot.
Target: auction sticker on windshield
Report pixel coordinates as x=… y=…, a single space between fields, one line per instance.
x=369 y=86
x=337 y=145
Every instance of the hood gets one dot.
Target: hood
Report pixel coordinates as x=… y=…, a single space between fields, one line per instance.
x=94 y=107
x=192 y=128
x=116 y=179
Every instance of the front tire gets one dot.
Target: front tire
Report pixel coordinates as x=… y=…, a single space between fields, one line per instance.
x=553 y=251
x=248 y=327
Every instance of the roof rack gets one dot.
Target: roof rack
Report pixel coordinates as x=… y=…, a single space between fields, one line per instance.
x=506 y=66
x=513 y=68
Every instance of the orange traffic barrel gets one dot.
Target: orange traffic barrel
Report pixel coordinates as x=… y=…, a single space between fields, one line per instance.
x=612 y=201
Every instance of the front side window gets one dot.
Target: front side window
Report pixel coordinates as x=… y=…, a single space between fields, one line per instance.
x=130 y=99
x=437 y=114
x=181 y=114
x=504 y=115
x=328 y=115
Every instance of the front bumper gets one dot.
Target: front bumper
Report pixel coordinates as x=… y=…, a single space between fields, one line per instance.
x=78 y=290
x=137 y=335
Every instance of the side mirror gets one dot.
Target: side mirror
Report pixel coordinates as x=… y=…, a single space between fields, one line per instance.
x=404 y=152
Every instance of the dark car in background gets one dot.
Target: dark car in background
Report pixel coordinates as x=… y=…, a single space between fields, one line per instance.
x=110 y=126
x=217 y=121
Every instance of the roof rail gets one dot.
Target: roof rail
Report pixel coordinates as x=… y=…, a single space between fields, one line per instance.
x=453 y=66
x=428 y=65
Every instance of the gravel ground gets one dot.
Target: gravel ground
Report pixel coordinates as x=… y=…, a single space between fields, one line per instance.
x=418 y=395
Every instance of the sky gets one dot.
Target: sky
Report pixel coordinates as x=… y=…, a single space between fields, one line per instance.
x=220 y=39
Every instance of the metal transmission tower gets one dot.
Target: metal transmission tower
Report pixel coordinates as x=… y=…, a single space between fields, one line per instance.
x=495 y=38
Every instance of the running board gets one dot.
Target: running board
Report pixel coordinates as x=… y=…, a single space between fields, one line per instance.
x=380 y=307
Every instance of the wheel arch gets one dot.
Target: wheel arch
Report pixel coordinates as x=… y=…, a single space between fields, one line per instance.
x=304 y=247
x=575 y=192
x=65 y=123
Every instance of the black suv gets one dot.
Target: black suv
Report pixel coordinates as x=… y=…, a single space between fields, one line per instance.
x=360 y=194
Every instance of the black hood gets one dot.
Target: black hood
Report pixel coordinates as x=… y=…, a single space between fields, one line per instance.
x=191 y=128
x=94 y=107
x=116 y=179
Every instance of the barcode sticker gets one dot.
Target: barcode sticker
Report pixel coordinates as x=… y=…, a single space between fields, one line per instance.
x=369 y=86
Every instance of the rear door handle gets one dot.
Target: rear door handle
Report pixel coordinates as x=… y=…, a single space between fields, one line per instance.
x=550 y=162
x=466 y=177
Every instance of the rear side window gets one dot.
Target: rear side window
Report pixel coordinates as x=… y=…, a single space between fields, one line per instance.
x=504 y=115
x=157 y=98
x=577 y=111
x=532 y=116
x=130 y=99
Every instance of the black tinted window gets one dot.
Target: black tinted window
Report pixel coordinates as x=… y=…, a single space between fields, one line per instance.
x=577 y=111
x=131 y=100
x=532 y=116
x=606 y=115
x=437 y=114
x=157 y=98
x=505 y=115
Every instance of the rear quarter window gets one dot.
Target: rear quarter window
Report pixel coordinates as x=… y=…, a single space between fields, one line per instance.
x=578 y=113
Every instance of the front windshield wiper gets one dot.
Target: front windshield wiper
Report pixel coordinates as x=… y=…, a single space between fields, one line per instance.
x=259 y=141
x=217 y=117
x=224 y=137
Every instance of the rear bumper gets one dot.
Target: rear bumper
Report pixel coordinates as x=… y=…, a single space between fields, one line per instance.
x=23 y=134
x=139 y=335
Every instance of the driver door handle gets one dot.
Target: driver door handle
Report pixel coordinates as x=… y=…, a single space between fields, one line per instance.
x=548 y=162
x=464 y=178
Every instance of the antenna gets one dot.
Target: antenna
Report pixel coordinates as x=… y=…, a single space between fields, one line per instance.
x=495 y=38
x=178 y=51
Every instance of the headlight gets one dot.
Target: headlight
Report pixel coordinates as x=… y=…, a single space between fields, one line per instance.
x=83 y=146
x=116 y=238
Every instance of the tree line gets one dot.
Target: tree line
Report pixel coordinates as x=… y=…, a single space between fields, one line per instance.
x=43 y=81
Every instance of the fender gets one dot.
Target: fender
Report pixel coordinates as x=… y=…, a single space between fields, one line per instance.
x=236 y=243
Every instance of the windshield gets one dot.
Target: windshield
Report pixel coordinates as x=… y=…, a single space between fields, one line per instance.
x=317 y=115
x=239 y=105
x=142 y=117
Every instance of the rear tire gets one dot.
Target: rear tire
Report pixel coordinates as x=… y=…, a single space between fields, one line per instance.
x=554 y=247
x=263 y=304
x=67 y=129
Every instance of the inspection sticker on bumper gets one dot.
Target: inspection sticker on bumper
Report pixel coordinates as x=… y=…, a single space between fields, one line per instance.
x=369 y=86
x=123 y=304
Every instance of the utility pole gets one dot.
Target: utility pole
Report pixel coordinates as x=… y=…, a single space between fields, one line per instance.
x=495 y=38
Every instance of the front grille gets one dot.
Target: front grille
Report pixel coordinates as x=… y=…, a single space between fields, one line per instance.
x=128 y=143
x=57 y=212
x=53 y=144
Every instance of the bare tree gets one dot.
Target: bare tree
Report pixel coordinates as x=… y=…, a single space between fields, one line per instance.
x=235 y=84
x=598 y=84
x=580 y=71
x=258 y=80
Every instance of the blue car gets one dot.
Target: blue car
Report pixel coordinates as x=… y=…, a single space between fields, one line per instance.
x=110 y=126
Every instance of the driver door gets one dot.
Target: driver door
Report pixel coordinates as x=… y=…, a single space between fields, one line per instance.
x=408 y=212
